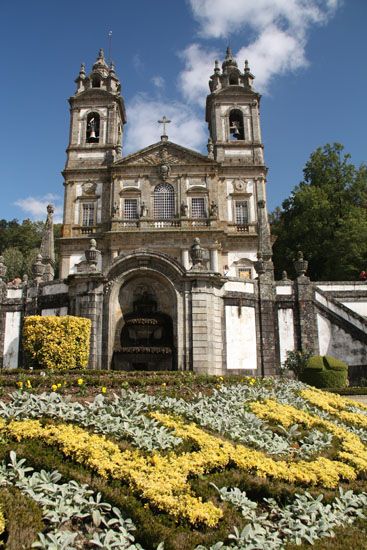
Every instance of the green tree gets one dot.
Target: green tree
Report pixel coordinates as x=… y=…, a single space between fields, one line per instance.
x=14 y=260
x=325 y=217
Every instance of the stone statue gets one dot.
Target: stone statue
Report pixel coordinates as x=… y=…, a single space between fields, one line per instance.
x=184 y=209
x=213 y=210
x=143 y=210
x=115 y=210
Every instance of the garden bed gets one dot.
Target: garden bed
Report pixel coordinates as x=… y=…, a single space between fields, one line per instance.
x=181 y=461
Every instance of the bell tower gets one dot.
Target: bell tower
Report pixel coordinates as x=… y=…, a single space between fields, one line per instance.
x=97 y=116
x=232 y=114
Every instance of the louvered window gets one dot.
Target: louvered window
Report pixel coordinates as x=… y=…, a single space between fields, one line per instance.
x=130 y=209
x=198 y=207
x=241 y=211
x=88 y=214
x=164 y=201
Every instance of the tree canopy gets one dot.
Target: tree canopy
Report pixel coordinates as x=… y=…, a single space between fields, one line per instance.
x=20 y=243
x=325 y=217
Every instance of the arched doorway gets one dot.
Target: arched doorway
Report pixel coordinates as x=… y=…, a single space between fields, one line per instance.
x=145 y=336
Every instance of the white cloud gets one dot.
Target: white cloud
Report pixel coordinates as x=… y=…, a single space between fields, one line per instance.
x=36 y=207
x=158 y=82
x=276 y=32
x=185 y=128
x=199 y=65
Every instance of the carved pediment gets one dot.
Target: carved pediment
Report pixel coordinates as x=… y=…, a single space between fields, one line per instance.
x=164 y=153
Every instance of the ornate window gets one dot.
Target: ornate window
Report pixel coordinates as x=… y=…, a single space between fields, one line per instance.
x=241 y=212
x=93 y=125
x=130 y=209
x=198 y=207
x=164 y=201
x=244 y=272
x=88 y=214
x=236 y=127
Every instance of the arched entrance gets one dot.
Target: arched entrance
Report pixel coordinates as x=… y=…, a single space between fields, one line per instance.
x=146 y=337
x=145 y=313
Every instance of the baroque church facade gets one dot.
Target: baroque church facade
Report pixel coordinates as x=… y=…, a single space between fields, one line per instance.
x=168 y=251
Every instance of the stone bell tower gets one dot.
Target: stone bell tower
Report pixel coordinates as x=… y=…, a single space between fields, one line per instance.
x=97 y=117
x=233 y=117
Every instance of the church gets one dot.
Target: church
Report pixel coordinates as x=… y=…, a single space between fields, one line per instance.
x=169 y=251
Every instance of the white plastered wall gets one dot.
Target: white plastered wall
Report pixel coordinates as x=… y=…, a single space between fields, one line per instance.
x=286 y=332
x=240 y=338
x=333 y=340
x=11 y=340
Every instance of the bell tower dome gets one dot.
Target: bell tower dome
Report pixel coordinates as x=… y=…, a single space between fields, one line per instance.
x=232 y=114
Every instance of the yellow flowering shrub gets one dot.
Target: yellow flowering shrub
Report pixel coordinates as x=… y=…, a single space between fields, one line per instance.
x=57 y=342
x=163 y=479
x=352 y=449
x=336 y=405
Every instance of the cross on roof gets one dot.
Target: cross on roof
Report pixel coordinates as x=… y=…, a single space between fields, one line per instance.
x=164 y=121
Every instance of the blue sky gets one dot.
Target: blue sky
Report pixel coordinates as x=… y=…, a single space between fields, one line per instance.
x=308 y=57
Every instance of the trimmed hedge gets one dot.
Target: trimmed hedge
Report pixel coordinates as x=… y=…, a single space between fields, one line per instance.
x=325 y=372
x=56 y=342
x=23 y=518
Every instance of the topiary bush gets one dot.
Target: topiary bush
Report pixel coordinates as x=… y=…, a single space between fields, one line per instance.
x=57 y=342
x=325 y=372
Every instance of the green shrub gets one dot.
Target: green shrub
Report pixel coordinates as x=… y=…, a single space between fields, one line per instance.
x=296 y=362
x=325 y=372
x=23 y=518
x=57 y=342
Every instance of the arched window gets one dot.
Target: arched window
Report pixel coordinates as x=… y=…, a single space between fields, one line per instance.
x=164 y=201
x=96 y=82
x=233 y=80
x=236 y=129
x=93 y=124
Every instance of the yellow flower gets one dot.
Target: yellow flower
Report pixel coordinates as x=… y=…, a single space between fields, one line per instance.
x=103 y=389
x=80 y=381
x=59 y=385
x=54 y=387
x=20 y=384
x=28 y=384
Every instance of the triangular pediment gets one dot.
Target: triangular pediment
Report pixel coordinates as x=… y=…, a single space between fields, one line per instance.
x=164 y=152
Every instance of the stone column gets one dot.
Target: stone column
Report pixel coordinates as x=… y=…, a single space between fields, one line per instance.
x=266 y=320
x=207 y=314
x=308 y=338
x=214 y=265
x=86 y=300
x=185 y=260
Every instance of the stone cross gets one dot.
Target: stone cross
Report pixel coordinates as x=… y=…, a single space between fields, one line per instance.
x=164 y=121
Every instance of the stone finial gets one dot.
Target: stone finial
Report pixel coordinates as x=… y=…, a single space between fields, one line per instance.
x=300 y=264
x=112 y=68
x=196 y=254
x=91 y=255
x=285 y=276
x=47 y=249
x=38 y=268
x=247 y=68
x=260 y=265
x=216 y=67
x=82 y=71
x=3 y=268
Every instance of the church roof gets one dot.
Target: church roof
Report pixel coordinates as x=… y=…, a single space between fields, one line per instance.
x=165 y=151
